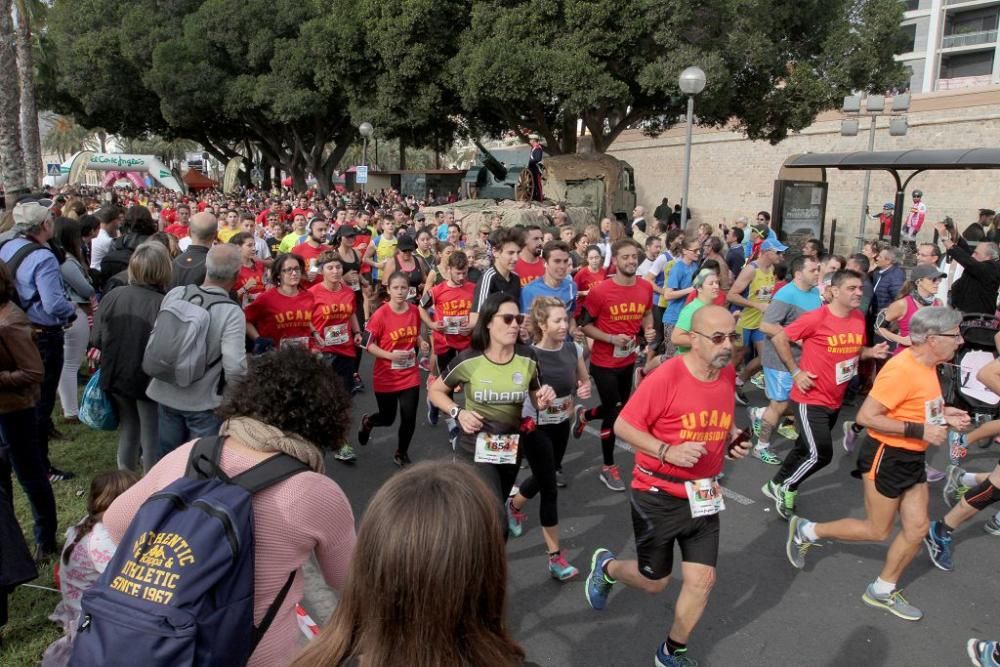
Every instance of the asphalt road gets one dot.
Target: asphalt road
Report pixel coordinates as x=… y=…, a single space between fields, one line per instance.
x=762 y=611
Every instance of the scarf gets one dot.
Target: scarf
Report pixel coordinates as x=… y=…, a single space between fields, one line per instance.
x=262 y=437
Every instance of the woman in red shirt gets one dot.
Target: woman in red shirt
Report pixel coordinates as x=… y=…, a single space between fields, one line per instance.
x=250 y=282
x=392 y=336
x=282 y=315
x=588 y=276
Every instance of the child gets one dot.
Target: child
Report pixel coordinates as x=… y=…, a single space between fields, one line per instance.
x=88 y=550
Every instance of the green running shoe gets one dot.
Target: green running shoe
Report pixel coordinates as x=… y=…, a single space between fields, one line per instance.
x=894 y=603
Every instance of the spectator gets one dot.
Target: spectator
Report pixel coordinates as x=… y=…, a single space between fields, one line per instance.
x=189 y=266
x=889 y=278
x=417 y=583
x=662 y=212
x=109 y=217
x=976 y=290
x=638 y=221
x=188 y=412
x=16 y=567
x=81 y=293
x=88 y=551
x=122 y=326
x=262 y=417
x=39 y=289
x=137 y=228
x=735 y=256
x=21 y=373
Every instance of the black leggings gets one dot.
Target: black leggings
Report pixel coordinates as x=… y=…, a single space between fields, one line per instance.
x=545 y=448
x=386 y=415
x=344 y=369
x=444 y=359
x=499 y=478
x=359 y=310
x=614 y=385
x=813 y=448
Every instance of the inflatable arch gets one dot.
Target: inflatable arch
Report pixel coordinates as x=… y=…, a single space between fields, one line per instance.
x=71 y=171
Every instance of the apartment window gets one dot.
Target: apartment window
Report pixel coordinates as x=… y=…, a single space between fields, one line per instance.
x=978 y=20
x=910 y=5
x=910 y=31
x=978 y=63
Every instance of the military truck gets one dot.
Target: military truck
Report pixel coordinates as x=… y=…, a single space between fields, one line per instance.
x=598 y=182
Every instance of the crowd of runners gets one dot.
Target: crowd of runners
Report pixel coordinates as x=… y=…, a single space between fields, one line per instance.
x=505 y=332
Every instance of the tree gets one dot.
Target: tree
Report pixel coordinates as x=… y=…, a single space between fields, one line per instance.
x=65 y=137
x=29 y=13
x=11 y=154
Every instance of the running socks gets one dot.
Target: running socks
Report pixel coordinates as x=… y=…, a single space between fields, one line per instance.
x=671 y=647
x=856 y=428
x=808 y=530
x=968 y=479
x=943 y=530
x=880 y=587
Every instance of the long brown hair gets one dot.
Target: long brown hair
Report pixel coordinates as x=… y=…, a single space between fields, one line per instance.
x=104 y=488
x=428 y=579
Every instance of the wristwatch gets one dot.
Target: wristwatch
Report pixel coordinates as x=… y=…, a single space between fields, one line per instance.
x=453 y=413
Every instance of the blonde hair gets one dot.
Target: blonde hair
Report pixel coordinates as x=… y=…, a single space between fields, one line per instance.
x=150 y=265
x=538 y=314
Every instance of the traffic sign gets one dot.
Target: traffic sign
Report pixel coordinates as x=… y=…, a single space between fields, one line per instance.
x=52 y=169
x=361 y=176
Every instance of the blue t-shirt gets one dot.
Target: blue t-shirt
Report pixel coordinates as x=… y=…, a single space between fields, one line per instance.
x=566 y=292
x=786 y=306
x=681 y=276
x=442 y=231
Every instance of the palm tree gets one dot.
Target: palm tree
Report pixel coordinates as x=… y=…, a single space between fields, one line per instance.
x=29 y=13
x=65 y=137
x=11 y=154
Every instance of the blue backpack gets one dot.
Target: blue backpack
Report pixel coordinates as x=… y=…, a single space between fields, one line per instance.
x=179 y=589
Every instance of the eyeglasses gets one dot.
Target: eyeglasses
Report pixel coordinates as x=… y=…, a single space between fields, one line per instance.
x=719 y=338
x=946 y=335
x=293 y=269
x=509 y=318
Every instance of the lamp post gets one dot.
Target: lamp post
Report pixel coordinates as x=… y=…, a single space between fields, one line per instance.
x=365 y=129
x=692 y=82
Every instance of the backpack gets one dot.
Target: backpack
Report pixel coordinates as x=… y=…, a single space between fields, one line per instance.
x=177 y=349
x=14 y=263
x=179 y=589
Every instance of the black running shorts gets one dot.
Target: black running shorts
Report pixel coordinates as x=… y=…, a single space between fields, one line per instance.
x=893 y=469
x=658 y=520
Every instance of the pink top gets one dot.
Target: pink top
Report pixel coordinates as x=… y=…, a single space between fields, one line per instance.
x=904 y=322
x=308 y=512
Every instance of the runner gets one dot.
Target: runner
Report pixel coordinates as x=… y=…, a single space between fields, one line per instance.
x=335 y=320
x=405 y=261
x=294 y=237
x=496 y=375
x=798 y=297
x=904 y=413
x=392 y=336
x=616 y=311
x=706 y=285
x=380 y=250
x=677 y=286
x=680 y=423
x=832 y=338
x=310 y=249
x=562 y=366
x=500 y=277
x=588 y=276
x=439 y=272
x=757 y=280
x=353 y=277
x=529 y=264
x=282 y=315
x=250 y=282
x=554 y=282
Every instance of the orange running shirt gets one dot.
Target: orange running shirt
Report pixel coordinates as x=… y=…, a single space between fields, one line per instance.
x=912 y=393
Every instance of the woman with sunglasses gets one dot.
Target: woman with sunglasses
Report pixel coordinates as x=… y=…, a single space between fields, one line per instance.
x=282 y=315
x=496 y=375
x=392 y=336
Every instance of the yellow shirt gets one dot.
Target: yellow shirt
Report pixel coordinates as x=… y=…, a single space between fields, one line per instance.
x=226 y=233
x=760 y=290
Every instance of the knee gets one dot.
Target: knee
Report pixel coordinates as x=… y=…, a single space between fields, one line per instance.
x=914 y=531
x=880 y=533
x=824 y=456
x=701 y=582
x=654 y=586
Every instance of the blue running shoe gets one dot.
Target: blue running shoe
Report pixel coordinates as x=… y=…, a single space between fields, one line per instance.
x=983 y=653
x=598 y=584
x=938 y=548
x=664 y=659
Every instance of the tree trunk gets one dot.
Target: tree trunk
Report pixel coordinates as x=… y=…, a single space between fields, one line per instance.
x=402 y=154
x=11 y=154
x=102 y=137
x=31 y=142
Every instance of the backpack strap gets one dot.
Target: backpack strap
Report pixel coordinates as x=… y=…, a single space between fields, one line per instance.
x=203 y=462
x=269 y=472
x=258 y=632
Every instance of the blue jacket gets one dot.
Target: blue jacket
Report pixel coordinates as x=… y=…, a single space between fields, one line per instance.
x=39 y=285
x=887 y=286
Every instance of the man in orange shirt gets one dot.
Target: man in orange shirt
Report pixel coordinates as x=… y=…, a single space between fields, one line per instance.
x=904 y=413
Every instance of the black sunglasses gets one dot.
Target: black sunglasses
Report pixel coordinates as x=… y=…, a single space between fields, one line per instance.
x=508 y=318
x=719 y=338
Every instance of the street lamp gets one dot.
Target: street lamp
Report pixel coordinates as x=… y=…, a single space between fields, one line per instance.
x=692 y=82
x=366 y=130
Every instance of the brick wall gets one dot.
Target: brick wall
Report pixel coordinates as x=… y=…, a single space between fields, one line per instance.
x=732 y=176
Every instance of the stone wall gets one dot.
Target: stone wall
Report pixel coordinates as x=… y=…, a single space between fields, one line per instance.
x=732 y=176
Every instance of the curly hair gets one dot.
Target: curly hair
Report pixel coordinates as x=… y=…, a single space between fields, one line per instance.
x=294 y=391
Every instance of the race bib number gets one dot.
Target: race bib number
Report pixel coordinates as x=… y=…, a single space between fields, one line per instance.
x=411 y=293
x=704 y=497
x=454 y=323
x=622 y=352
x=846 y=369
x=336 y=334
x=409 y=361
x=934 y=412
x=764 y=294
x=558 y=412
x=297 y=341
x=499 y=448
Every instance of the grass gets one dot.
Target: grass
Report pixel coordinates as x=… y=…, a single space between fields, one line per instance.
x=85 y=452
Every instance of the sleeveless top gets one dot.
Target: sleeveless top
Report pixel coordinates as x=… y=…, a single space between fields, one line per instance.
x=350 y=266
x=904 y=322
x=416 y=276
x=760 y=290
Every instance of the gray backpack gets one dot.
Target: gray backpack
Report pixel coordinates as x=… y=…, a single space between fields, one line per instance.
x=177 y=350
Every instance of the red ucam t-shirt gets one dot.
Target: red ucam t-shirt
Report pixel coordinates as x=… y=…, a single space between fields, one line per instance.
x=585 y=279
x=246 y=274
x=831 y=349
x=676 y=407
x=394 y=331
x=309 y=254
x=332 y=319
x=451 y=306
x=177 y=230
x=617 y=309
x=528 y=271
x=287 y=320
x=362 y=238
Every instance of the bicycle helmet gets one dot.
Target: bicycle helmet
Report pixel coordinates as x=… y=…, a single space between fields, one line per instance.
x=918 y=193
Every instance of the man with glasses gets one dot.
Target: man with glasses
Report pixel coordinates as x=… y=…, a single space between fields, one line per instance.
x=976 y=290
x=757 y=281
x=904 y=414
x=680 y=425
x=832 y=339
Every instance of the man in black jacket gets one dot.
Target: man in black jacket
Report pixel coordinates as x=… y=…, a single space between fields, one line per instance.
x=976 y=290
x=189 y=266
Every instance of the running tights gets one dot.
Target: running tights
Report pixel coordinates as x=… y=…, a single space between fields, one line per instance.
x=386 y=415
x=545 y=448
x=813 y=448
x=614 y=385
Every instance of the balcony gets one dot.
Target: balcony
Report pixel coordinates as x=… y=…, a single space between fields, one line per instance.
x=969 y=39
x=964 y=82
x=971 y=3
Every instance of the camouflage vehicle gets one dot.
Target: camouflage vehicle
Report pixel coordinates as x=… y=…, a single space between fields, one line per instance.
x=598 y=182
